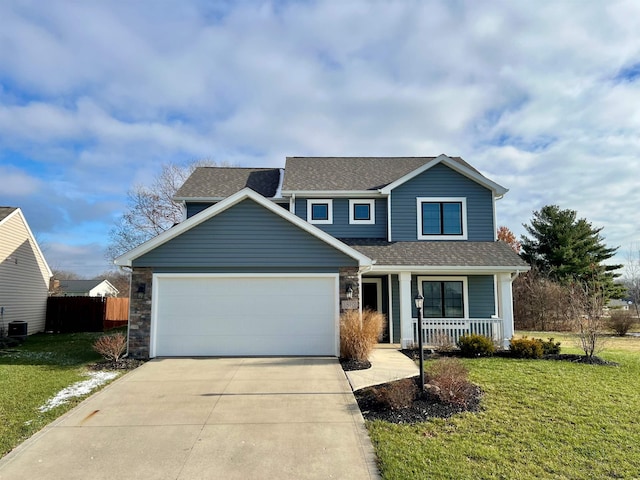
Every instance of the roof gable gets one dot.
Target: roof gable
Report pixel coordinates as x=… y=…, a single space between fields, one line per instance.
x=459 y=166
x=206 y=183
x=246 y=193
x=6 y=214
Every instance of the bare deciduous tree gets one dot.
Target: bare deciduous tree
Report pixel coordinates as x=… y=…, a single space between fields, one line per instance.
x=588 y=301
x=632 y=277
x=151 y=209
x=540 y=303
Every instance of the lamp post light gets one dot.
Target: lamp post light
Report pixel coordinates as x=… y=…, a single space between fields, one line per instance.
x=419 y=299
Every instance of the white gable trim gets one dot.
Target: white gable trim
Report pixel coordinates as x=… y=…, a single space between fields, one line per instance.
x=498 y=190
x=18 y=212
x=126 y=259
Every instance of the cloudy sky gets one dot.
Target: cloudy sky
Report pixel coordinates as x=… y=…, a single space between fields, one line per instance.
x=542 y=96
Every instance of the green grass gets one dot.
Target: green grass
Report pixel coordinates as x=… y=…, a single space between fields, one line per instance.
x=540 y=419
x=32 y=373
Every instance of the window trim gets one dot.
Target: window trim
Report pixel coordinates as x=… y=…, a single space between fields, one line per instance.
x=465 y=293
x=352 y=211
x=461 y=200
x=320 y=201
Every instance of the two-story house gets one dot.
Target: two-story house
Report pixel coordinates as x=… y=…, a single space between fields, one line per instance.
x=266 y=259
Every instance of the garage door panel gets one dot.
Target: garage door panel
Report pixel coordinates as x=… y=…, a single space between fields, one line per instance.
x=213 y=315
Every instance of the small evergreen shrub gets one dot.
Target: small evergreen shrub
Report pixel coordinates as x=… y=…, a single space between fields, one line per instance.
x=111 y=347
x=397 y=395
x=526 y=347
x=549 y=347
x=359 y=334
x=450 y=377
x=621 y=322
x=474 y=345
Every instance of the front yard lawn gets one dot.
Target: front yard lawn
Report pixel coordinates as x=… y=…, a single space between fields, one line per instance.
x=34 y=372
x=539 y=419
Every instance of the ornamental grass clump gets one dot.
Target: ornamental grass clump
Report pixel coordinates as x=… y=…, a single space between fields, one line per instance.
x=111 y=347
x=359 y=333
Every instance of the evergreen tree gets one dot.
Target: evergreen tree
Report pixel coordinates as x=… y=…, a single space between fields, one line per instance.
x=567 y=249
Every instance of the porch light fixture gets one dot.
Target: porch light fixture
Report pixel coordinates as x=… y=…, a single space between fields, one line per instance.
x=419 y=300
x=142 y=288
x=349 y=291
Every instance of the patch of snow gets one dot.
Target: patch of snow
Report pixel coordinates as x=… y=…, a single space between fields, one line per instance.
x=279 y=189
x=78 y=389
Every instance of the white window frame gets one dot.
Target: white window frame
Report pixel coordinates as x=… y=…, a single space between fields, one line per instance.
x=352 y=211
x=465 y=292
x=320 y=201
x=461 y=200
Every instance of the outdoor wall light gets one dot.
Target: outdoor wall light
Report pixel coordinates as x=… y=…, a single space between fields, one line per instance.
x=142 y=288
x=349 y=291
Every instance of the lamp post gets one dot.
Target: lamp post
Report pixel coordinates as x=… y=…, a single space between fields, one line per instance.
x=419 y=299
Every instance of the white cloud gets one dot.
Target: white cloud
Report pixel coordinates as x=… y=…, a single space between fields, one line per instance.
x=530 y=93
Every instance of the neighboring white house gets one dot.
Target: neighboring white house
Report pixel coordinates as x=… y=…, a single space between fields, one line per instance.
x=85 y=288
x=24 y=273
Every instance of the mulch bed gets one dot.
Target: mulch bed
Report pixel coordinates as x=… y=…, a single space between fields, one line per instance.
x=430 y=354
x=425 y=406
x=122 y=364
x=349 y=365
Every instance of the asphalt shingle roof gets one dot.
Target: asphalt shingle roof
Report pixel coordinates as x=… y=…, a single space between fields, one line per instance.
x=6 y=211
x=350 y=173
x=79 y=285
x=438 y=254
x=222 y=182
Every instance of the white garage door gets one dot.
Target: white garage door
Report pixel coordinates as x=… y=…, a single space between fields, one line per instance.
x=212 y=315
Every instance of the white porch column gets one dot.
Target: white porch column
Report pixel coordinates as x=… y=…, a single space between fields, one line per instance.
x=505 y=307
x=406 y=322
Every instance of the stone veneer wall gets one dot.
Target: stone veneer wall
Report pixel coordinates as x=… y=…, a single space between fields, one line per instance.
x=349 y=275
x=140 y=313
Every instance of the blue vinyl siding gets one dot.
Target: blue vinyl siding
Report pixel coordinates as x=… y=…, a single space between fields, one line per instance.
x=249 y=236
x=481 y=299
x=340 y=228
x=442 y=181
x=481 y=296
x=196 y=207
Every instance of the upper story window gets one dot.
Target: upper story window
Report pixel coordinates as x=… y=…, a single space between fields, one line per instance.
x=320 y=211
x=362 y=212
x=442 y=218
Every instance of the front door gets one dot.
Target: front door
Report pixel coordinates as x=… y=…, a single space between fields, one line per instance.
x=372 y=299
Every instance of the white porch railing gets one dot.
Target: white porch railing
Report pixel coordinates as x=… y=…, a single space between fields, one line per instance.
x=447 y=331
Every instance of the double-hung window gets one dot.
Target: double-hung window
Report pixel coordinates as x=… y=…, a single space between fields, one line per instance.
x=442 y=218
x=362 y=212
x=444 y=298
x=320 y=211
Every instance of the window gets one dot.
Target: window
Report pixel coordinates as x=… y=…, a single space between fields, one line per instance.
x=444 y=298
x=362 y=212
x=320 y=211
x=441 y=218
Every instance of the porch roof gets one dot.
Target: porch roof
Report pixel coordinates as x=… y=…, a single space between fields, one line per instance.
x=439 y=254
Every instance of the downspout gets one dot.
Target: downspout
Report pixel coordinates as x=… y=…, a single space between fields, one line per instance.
x=130 y=271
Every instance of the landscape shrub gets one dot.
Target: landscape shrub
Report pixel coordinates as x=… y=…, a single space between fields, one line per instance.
x=397 y=395
x=451 y=379
x=359 y=334
x=474 y=345
x=111 y=347
x=549 y=347
x=621 y=322
x=526 y=347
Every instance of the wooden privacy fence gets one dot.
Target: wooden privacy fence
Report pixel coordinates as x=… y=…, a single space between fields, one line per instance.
x=85 y=314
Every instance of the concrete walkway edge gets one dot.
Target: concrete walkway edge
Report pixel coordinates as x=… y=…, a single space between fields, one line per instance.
x=387 y=365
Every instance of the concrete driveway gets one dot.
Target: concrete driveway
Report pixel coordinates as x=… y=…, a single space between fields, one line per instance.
x=209 y=418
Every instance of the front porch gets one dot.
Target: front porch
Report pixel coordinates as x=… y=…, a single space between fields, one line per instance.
x=470 y=302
